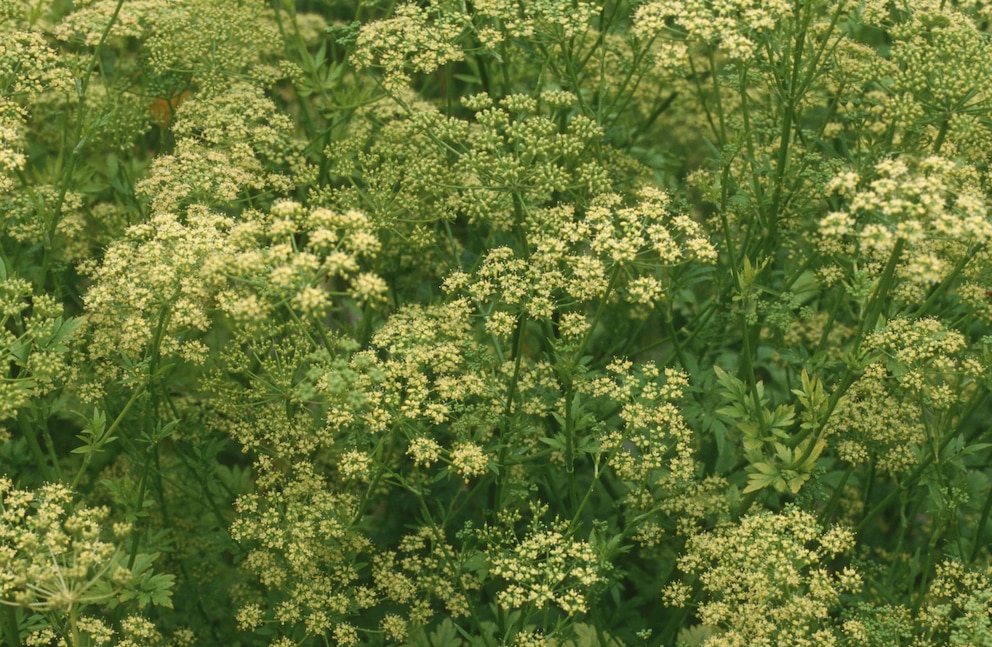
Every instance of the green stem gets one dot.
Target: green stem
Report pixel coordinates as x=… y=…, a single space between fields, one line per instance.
x=715 y=76
x=50 y=446
x=901 y=539
x=504 y=67
x=980 y=531
x=460 y=502
x=518 y=345
x=725 y=224
x=76 y=142
x=577 y=357
x=604 y=27
x=748 y=365
x=74 y=625
x=570 y=443
x=925 y=463
x=941 y=134
x=363 y=504
x=771 y=219
x=625 y=91
x=139 y=507
x=880 y=295
x=11 y=634
x=694 y=74
x=106 y=434
x=756 y=185
x=849 y=377
x=702 y=321
x=945 y=285
x=828 y=510
x=28 y=430
x=936 y=534
x=853 y=370
x=504 y=427
x=155 y=355
x=673 y=336
x=306 y=61
x=199 y=473
x=574 y=523
x=382 y=462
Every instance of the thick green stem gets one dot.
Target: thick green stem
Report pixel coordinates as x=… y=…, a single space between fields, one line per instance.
x=41 y=461
x=941 y=134
x=11 y=634
x=74 y=625
x=828 y=510
x=980 y=529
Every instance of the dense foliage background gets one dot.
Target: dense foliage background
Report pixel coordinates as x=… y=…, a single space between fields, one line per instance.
x=533 y=322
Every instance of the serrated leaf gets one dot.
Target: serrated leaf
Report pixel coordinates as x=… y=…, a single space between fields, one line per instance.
x=796 y=482
x=62 y=329
x=587 y=636
x=446 y=635
x=588 y=445
x=730 y=412
x=784 y=453
x=147 y=587
x=757 y=481
x=730 y=383
x=783 y=416
x=19 y=351
x=765 y=468
x=93 y=434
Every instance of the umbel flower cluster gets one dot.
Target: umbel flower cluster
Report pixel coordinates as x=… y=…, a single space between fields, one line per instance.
x=496 y=323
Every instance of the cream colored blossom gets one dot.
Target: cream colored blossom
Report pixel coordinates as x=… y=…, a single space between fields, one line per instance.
x=733 y=26
x=469 y=460
x=761 y=581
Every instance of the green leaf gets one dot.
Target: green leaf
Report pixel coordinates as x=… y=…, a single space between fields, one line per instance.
x=757 y=481
x=694 y=636
x=587 y=636
x=796 y=482
x=446 y=635
x=61 y=331
x=147 y=587
x=784 y=453
x=92 y=435
x=733 y=387
x=783 y=417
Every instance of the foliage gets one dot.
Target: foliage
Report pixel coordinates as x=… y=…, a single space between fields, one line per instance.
x=495 y=323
